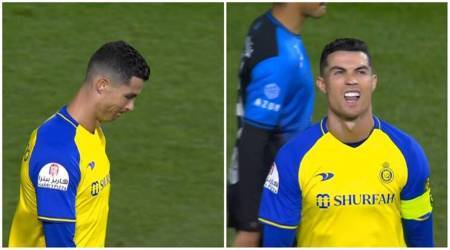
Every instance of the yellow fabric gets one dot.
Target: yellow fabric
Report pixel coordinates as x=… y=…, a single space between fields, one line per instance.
x=26 y=229
x=363 y=213
x=92 y=211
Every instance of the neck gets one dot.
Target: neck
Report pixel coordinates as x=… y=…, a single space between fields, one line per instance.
x=82 y=110
x=349 y=131
x=291 y=18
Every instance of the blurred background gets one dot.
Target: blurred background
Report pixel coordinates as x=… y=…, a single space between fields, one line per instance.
x=167 y=155
x=408 y=43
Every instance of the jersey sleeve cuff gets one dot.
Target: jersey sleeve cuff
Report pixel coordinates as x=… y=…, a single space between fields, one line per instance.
x=259 y=124
x=276 y=224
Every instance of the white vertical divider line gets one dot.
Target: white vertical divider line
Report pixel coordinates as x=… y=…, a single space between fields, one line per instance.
x=225 y=123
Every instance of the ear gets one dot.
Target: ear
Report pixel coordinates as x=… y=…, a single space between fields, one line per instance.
x=374 y=82
x=101 y=83
x=320 y=83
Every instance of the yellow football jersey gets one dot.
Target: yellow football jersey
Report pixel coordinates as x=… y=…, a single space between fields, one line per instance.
x=336 y=194
x=64 y=178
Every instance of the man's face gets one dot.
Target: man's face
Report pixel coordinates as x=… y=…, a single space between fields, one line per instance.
x=348 y=82
x=118 y=99
x=315 y=10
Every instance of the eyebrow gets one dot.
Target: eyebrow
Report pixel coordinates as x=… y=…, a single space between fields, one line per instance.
x=130 y=95
x=341 y=68
x=363 y=67
x=336 y=68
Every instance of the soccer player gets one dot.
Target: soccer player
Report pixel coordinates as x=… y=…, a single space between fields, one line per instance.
x=352 y=180
x=275 y=101
x=64 y=179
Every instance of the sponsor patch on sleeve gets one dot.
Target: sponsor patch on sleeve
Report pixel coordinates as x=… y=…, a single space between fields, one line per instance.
x=272 y=180
x=53 y=176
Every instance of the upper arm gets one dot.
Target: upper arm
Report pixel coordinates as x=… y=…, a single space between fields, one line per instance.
x=55 y=174
x=416 y=194
x=281 y=198
x=266 y=93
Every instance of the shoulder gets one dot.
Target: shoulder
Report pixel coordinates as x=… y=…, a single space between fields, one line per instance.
x=57 y=131
x=55 y=152
x=405 y=142
x=261 y=40
x=415 y=157
x=55 y=142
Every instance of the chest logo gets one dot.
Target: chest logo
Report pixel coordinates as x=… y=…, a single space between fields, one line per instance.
x=99 y=185
x=323 y=200
x=386 y=173
x=326 y=176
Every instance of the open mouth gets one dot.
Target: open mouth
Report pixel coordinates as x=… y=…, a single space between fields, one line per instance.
x=352 y=96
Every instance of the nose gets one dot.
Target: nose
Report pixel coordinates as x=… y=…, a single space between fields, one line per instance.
x=130 y=106
x=351 y=80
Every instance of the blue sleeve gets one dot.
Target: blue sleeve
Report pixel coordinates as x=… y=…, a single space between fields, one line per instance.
x=277 y=237
x=415 y=197
x=59 y=234
x=418 y=171
x=266 y=93
x=281 y=197
x=419 y=233
x=55 y=174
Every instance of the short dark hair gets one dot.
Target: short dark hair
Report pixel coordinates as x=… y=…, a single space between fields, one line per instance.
x=121 y=59
x=343 y=44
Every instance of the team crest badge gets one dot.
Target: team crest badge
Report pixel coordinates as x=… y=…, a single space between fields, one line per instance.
x=386 y=173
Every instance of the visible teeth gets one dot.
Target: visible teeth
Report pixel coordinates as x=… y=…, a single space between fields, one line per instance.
x=352 y=94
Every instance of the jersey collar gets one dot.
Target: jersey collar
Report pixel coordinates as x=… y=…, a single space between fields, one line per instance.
x=66 y=116
x=324 y=127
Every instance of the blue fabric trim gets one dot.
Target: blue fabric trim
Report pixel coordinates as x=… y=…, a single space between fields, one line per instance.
x=59 y=234
x=419 y=233
x=323 y=123
x=63 y=111
x=277 y=237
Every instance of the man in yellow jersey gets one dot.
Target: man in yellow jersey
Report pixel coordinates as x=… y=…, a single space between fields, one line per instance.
x=352 y=180
x=65 y=181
